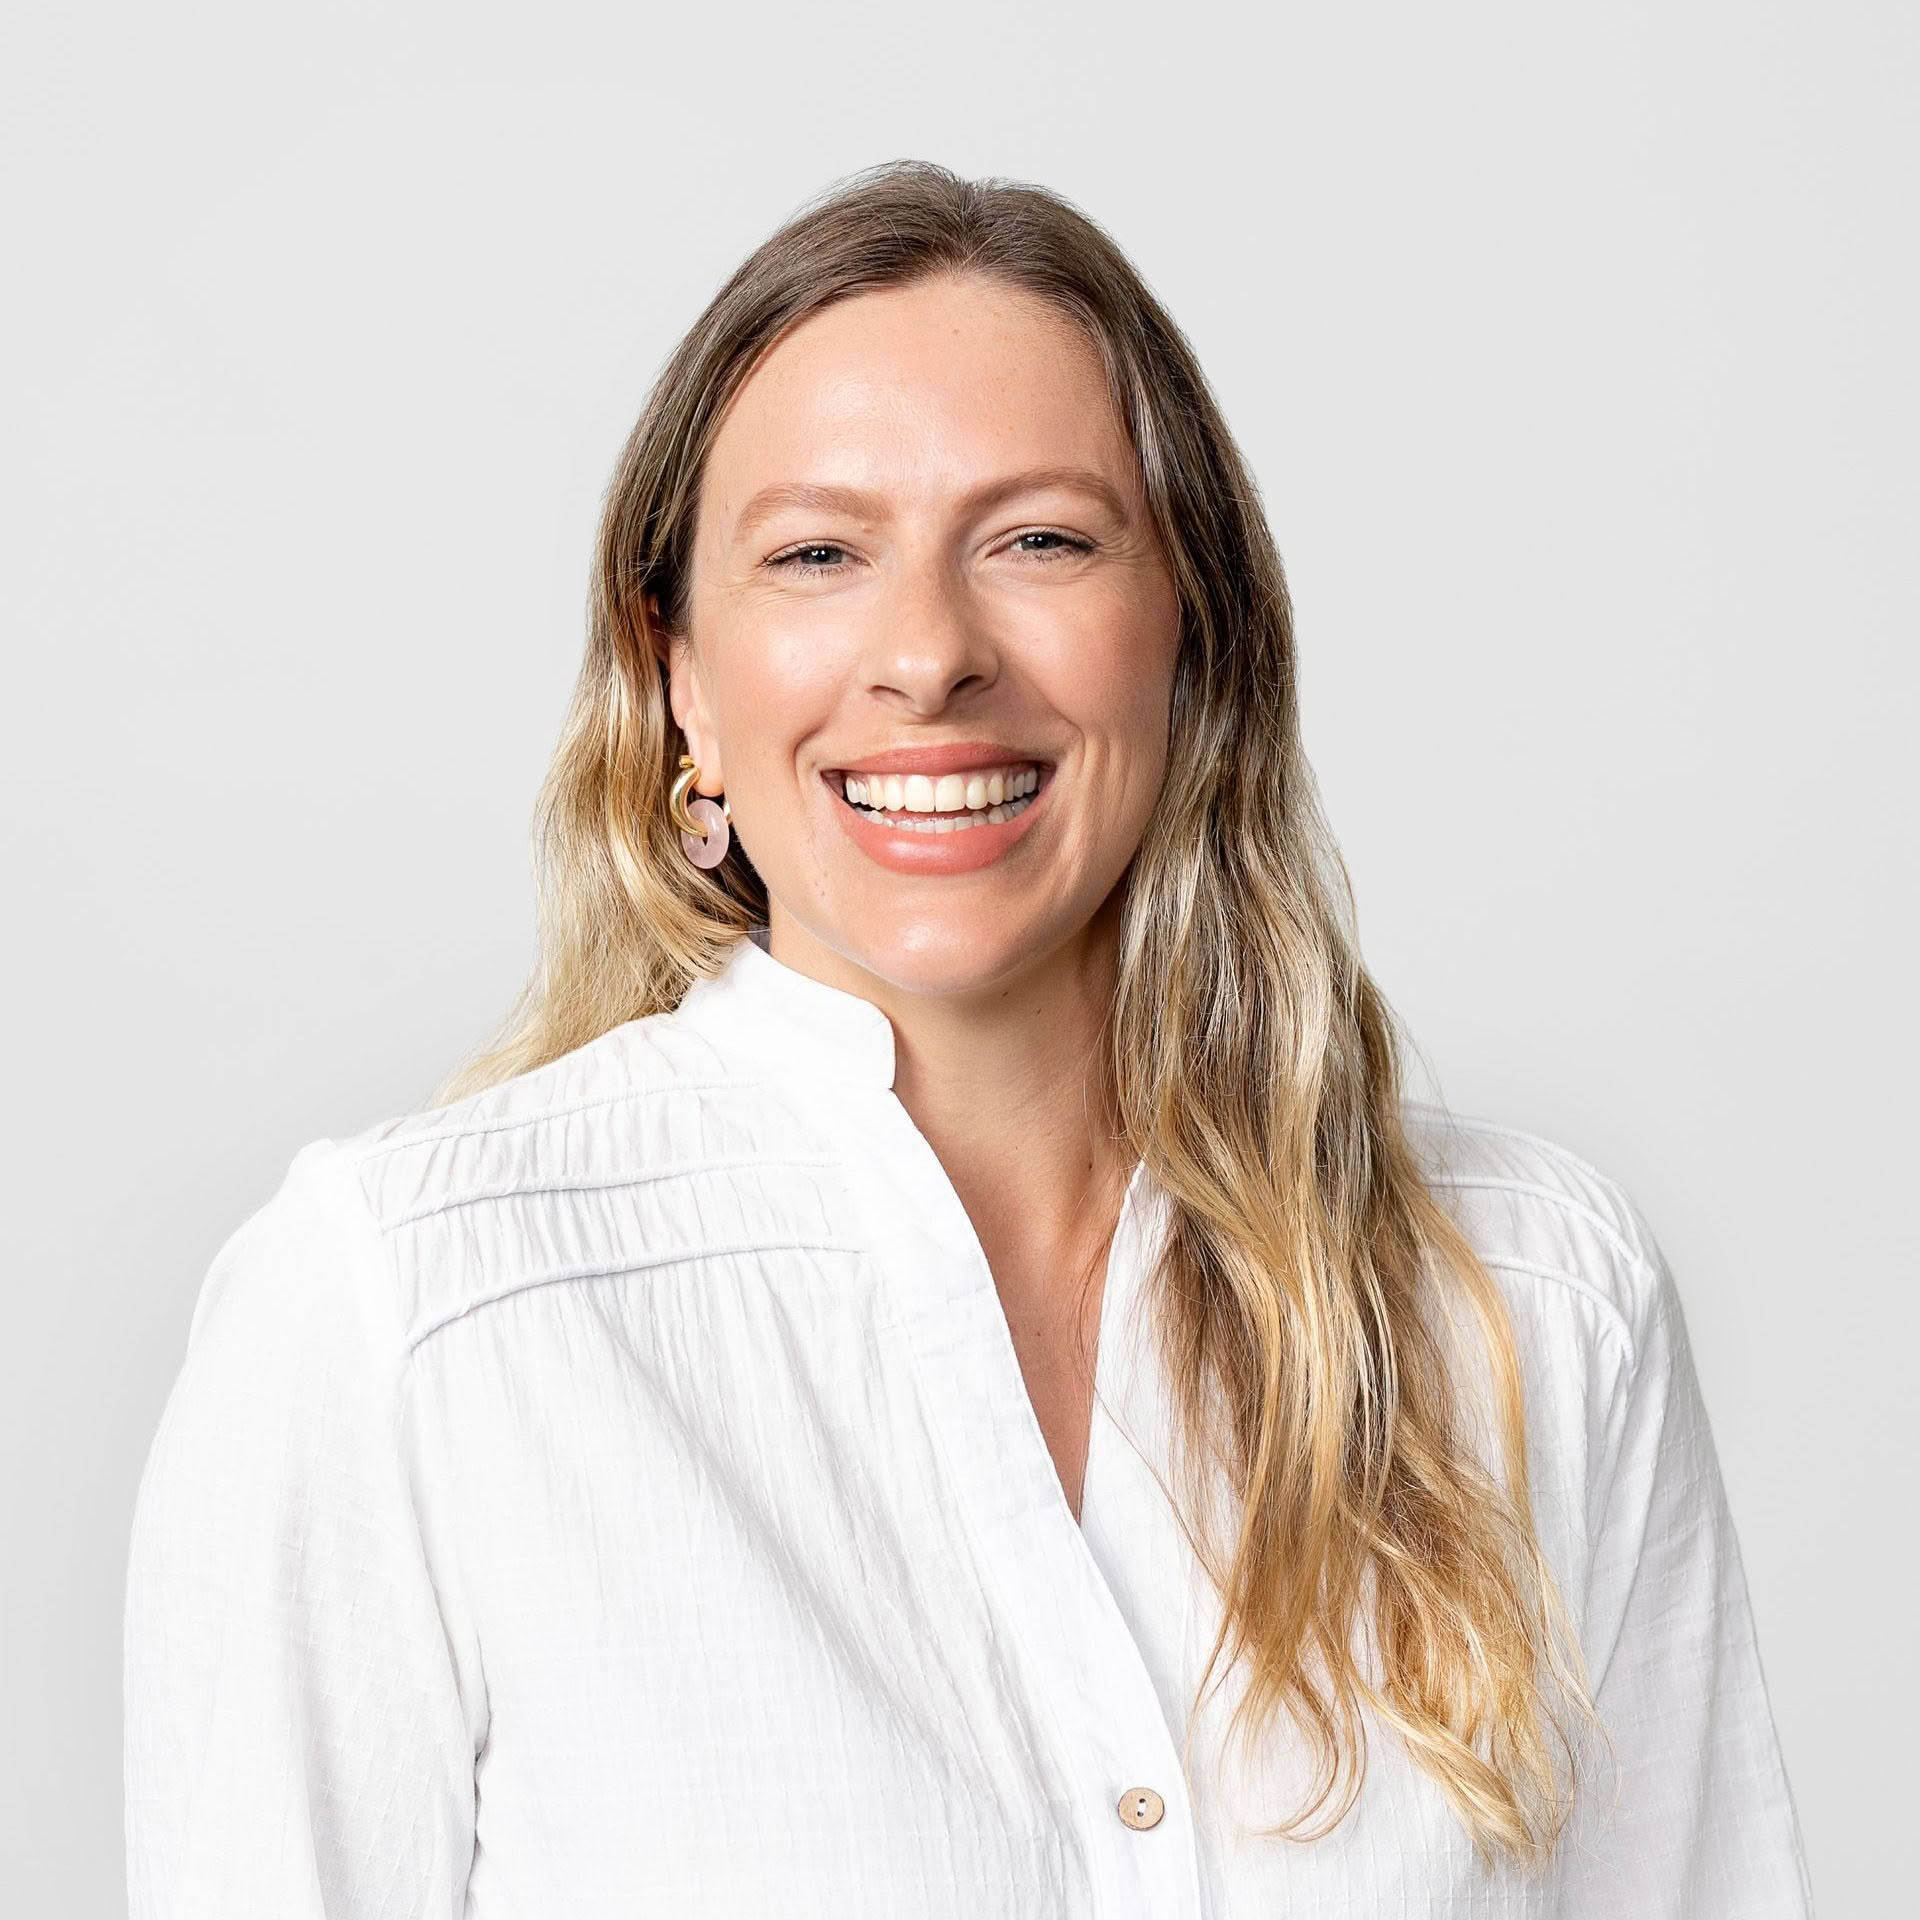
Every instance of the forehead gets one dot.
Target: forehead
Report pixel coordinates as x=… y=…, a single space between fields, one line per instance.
x=923 y=388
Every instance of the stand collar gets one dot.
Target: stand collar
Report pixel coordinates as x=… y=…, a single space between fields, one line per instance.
x=789 y=1023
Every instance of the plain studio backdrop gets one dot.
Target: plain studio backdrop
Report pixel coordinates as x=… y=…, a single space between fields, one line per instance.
x=1573 y=349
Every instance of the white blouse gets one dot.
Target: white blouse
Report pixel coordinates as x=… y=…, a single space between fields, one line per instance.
x=616 y=1494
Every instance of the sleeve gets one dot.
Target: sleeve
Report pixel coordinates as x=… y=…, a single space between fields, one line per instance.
x=298 y=1738
x=1689 y=1817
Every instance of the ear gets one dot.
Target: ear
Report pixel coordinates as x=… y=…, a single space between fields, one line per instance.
x=688 y=699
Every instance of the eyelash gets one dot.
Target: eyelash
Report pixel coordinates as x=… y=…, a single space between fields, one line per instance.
x=790 y=561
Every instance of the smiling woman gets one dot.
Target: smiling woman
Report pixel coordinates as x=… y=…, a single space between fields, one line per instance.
x=932 y=1369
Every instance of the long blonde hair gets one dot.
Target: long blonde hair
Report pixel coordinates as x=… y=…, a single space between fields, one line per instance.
x=1308 y=1273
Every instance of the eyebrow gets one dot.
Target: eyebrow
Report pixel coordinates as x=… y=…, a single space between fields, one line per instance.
x=871 y=506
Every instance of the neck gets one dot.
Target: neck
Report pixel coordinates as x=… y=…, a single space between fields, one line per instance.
x=1010 y=1086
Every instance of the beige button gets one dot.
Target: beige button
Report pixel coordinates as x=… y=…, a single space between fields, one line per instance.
x=1141 y=1807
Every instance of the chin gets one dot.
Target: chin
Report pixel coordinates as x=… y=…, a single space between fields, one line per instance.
x=932 y=958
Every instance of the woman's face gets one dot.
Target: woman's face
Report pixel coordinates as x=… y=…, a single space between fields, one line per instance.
x=923 y=557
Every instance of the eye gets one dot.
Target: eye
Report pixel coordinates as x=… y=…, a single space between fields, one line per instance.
x=816 y=556
x=1054 y=543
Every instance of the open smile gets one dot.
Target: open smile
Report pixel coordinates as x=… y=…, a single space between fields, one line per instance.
x=948 y=803
x=939 y=823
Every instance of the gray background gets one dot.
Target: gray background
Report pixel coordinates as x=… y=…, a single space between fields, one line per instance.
x=1574 y=351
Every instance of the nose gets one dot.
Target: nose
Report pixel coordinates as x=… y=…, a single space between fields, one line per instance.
x=931 y=642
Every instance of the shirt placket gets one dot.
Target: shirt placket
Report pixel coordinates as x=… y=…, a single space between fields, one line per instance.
x=1119 y=1760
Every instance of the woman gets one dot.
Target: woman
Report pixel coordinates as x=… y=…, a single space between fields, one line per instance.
x=933 y=1371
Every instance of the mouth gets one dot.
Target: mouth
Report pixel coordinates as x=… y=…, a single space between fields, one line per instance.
x=943 y=803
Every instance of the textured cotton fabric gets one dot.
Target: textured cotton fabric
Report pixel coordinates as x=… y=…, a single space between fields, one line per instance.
x=616 y=1494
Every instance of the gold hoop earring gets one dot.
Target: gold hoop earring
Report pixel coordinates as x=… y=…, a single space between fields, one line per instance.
x=705 y=833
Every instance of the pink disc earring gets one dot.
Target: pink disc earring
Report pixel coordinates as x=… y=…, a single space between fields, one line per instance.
x=704 y=832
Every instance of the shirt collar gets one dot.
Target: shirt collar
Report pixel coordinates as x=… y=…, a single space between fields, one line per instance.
x=787 y=1022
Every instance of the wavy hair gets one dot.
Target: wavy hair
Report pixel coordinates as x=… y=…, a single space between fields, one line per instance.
x=1384 y=1559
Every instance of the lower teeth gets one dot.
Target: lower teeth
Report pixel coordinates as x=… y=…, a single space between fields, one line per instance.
x=945 y=822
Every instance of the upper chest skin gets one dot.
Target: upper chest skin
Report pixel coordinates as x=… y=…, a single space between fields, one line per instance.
x=1053 y=1320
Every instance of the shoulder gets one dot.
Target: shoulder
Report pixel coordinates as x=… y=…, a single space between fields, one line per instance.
x=1562 y=1237
x=300 y=1273
x=621 y=1103
x=543 y=1174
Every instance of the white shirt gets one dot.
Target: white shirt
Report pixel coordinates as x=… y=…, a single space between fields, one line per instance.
x=616 y=1494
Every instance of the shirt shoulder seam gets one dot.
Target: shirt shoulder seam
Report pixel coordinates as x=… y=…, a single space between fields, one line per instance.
x=1533 y=1189
x=1571 y=1283
x=382 y=1147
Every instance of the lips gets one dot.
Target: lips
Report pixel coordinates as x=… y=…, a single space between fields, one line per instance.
x=930 y=830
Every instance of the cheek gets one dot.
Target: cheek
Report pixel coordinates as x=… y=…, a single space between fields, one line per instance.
x=774 y=678
x=1110 y=671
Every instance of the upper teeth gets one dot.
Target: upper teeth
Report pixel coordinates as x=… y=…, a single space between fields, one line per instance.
x=949 y=794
